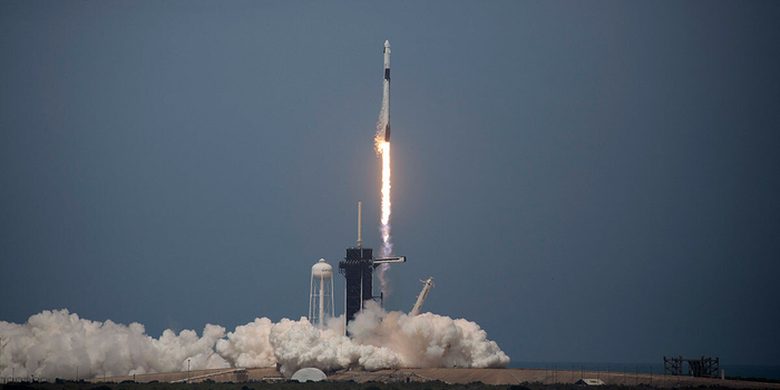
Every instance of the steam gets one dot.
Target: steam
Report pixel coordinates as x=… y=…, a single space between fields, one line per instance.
x=57 y=343
x=52 y=344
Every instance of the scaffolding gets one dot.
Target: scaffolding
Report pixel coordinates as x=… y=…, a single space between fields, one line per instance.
x=698 y=368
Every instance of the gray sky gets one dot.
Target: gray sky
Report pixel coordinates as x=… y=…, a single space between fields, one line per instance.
x=588 y=181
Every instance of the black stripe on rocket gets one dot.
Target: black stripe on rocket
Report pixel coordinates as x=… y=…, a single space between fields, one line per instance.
x=387 y=126
x=387 y=77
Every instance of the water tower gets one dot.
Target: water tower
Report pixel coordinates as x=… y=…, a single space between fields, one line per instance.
x=321 y=294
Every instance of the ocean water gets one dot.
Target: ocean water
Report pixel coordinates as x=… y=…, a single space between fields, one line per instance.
x=743 y=370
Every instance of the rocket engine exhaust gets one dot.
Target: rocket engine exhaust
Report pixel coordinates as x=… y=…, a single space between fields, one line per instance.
x=382 y=145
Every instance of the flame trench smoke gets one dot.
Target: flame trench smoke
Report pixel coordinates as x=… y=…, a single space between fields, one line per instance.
x=55 y=344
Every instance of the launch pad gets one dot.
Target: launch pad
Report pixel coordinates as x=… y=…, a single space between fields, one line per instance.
x=358 y=269
x=487 y=376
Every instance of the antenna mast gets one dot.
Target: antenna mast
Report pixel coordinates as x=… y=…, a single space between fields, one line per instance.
x=360 y=217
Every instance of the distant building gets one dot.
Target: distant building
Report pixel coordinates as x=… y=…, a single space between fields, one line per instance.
x=590 y=382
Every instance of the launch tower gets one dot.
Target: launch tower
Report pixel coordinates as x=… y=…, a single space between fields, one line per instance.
x=358 y=269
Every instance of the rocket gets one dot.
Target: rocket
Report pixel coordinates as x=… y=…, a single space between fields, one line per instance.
x=387 y=60
x=386 y=90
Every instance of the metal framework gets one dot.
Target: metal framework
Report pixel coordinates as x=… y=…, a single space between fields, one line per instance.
x=357 y=267
x=700 y=368
x=427 y=284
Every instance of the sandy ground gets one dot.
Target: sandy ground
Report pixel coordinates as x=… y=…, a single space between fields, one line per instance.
x=494 y=376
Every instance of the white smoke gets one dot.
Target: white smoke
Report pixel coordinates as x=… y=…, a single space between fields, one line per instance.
x=248 y=345
x=52 y=344
x=57 y=344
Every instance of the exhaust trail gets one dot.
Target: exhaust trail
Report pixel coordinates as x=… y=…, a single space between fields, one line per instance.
x=382 y=146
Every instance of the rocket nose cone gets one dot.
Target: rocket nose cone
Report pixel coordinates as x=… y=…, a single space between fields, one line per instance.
x=387 y=43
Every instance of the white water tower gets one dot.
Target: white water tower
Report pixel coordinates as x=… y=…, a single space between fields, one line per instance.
x=321 y=294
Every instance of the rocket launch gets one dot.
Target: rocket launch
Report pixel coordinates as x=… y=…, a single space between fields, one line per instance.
x=386 y=91
x=382 y=145
x=380 y=340
x=383 y=125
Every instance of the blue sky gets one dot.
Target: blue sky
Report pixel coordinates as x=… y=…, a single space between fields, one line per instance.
x=588 y=181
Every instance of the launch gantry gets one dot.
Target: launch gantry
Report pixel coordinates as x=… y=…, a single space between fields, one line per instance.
x=358 y=269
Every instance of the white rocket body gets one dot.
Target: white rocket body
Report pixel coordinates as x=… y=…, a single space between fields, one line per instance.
x=387 y=60
x=385 y=118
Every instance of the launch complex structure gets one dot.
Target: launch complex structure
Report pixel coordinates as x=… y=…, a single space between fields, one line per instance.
x=359 y=263
x=358 y=269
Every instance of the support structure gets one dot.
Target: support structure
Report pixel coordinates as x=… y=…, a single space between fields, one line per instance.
x=358 y=269
x=699 y=368
x=427 y=284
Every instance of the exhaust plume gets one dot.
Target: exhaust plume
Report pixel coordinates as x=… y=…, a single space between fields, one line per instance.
x=382 y=147
x=52 y=344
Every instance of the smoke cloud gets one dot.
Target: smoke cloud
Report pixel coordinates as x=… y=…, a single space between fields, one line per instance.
x=52 y=344
x=55 y=343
